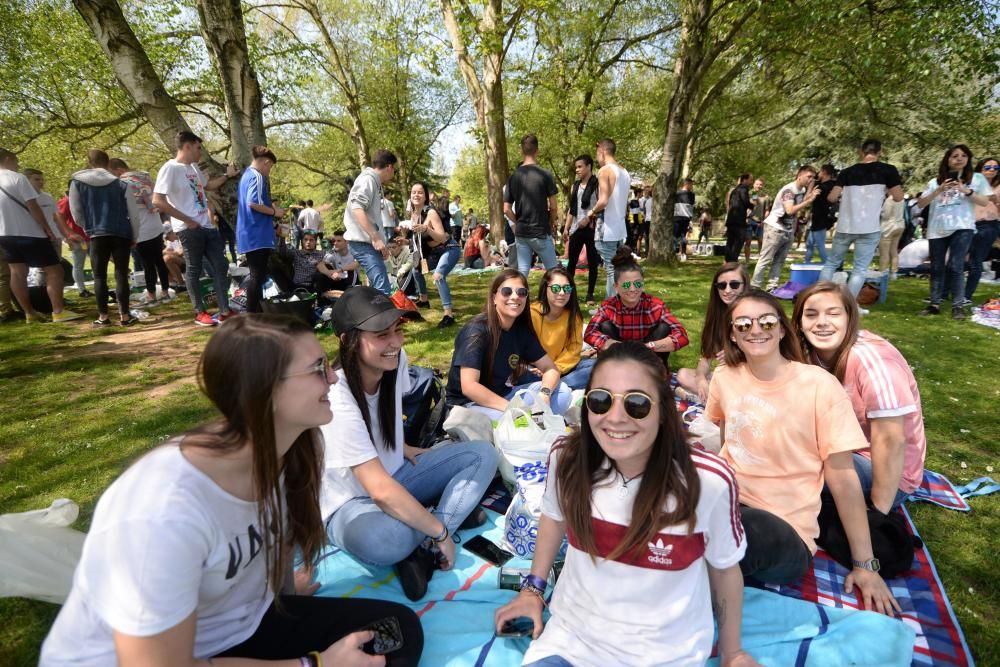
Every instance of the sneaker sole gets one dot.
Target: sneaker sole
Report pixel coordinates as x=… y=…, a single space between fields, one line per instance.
x=206 y=324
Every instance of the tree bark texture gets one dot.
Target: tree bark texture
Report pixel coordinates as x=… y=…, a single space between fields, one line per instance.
x=223 y=30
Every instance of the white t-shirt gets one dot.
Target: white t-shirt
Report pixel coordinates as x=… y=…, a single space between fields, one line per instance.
x=647 y=208
x=339 y=261
x=309 y=218
x=184 y=187
x=914 y=254
x=165 y=541
x=14 y=219
x=954 y=211
x=348 y=443
x=48 y=206
x=655 y=609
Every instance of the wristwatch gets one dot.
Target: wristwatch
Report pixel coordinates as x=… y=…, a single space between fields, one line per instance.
x=545 y=391
x=871 y=565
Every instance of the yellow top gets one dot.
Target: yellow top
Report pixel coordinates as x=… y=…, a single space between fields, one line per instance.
x=554 y=337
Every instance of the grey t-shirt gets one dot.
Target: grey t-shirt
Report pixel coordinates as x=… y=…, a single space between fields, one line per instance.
x=366 y=194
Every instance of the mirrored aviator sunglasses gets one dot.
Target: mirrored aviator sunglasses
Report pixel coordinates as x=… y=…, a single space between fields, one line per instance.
x=766 y=322
x=638 y=405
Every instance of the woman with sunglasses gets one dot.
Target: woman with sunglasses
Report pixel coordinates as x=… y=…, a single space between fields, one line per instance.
x=952 y=196
x=558 y=324
x=883 y=391
x=729 y=282
x=788 y=427
x=376 y=488
x=189 y=556
x=987 y=226
x=495 y=349
x=654 y=530
x=437 y=246
x=632 y=314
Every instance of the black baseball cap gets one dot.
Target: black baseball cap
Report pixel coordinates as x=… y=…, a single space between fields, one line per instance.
x=365 y=308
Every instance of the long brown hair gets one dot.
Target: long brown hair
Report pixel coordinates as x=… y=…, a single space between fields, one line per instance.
x=573 y=305
x=943 y=168
x=669 y=471
x=994 y=178
x=716 y=330
x=789 y=345
x=239 y=371
x=349 y=359
x=493 y=328
x=839 y=366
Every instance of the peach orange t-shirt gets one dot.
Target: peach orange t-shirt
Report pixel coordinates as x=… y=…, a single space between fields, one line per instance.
x=779 y=434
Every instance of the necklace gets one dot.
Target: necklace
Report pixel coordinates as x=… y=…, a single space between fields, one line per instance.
x=623 y=489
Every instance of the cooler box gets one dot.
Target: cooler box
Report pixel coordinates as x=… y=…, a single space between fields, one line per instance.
x=805 y=274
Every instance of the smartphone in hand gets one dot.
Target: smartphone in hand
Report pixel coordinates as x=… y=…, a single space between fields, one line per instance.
x=388 y=637
x=518 y=627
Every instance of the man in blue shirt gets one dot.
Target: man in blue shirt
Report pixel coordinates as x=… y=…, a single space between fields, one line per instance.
x=255 y=218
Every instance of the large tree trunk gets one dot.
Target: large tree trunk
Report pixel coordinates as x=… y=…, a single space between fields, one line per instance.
x=224 y=33
x=686 y=82
x=135 y=72
x=486 y=94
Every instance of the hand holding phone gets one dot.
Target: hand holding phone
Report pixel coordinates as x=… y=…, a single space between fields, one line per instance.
x=521 y=626
x=520 y=617
x=387 y=637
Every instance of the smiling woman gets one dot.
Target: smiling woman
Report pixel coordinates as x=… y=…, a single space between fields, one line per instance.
x=376 y=488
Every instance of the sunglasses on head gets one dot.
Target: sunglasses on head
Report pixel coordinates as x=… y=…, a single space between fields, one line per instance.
x=629 y=284
x=733 y=285
x=507 y=291
x=565 y=289
x=320 y=368
x=637 y=404
x=767 y=322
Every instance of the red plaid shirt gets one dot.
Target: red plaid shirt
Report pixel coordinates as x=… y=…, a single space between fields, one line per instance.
x=634 y=323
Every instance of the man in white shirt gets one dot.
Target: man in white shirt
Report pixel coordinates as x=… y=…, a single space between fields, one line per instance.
x=779 y=226
x=458 y=230
x=180 y=193
x=26 y=240
x=363 y=220
x=310 y=218
x=613 y=188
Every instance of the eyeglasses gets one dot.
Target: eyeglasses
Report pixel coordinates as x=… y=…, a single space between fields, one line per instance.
x=637 y=404
x=507 y=291
x=565 y=289
x=766 y=322
x=629 y=284
x=320 y=368
x=733 y=285
x=991 y=167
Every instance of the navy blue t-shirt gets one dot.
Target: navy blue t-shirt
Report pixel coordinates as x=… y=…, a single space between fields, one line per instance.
x=472 y=346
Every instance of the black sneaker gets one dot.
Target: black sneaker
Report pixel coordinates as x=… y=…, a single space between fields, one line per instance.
x=446 y=322
x=957 y=313
x=931 y=310
x=102 y=323
x=423 y=304
x=414 y=572
x=475 y=519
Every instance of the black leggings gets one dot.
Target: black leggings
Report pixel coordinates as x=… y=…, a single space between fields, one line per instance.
x=659 y=331
x=151 y=252
x=584 y=237
x=257 y=260
x=735 y=236
x=308 y=623
x=775 y=552
x=116 y=249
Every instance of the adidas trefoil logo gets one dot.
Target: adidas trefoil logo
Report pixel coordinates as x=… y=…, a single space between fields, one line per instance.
x=659 y=553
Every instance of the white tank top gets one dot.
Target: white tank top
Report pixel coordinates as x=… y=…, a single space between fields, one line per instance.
x=614 y=213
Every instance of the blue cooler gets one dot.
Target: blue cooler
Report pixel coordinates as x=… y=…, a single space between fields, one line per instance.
x=804 y=275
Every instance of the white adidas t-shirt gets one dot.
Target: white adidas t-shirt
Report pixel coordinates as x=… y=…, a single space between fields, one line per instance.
x=656 y=609
x=348 y=444
x=165 y=541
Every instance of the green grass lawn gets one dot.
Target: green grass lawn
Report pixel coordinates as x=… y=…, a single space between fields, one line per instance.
x=79 y=404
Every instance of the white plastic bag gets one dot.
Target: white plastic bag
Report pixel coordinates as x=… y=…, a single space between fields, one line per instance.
x=39 y=552
x=703 y=432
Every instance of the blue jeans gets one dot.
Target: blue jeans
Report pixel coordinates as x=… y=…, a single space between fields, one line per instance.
x=607 y=250
x=373 y=263
x=453 y=477
x=449 y=258
x=864 y=250
x=954 y=248
x=579 y=376
x=817 y=241
x=986 y=235
x=543 y=247
x=559 y=402
x=863 y=466
x=201 y=245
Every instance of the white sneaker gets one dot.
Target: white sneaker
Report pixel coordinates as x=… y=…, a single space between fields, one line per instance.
x=165 y=297
x=146 y=302
x=684 y=257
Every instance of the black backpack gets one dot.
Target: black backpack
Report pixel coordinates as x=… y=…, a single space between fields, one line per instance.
x=424 y=408
x=892 y=543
